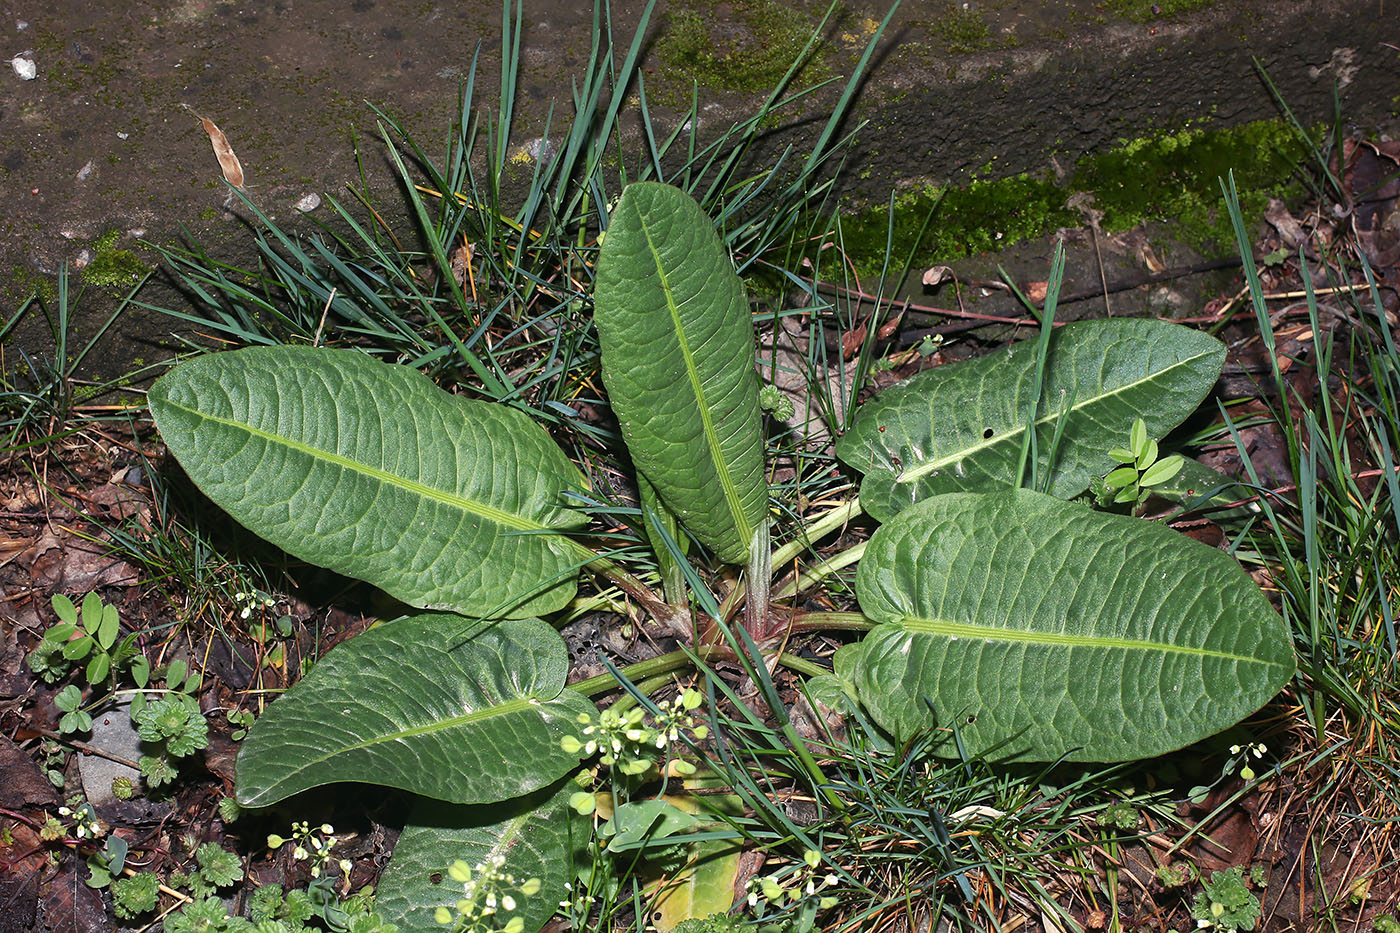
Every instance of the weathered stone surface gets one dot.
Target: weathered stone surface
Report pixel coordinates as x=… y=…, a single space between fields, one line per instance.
x=101 y=141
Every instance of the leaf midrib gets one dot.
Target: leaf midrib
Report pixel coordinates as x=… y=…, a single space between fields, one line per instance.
x=911 y=474
x=712 y=444
x=437 y=725
x=973 y=632
x=471 y=506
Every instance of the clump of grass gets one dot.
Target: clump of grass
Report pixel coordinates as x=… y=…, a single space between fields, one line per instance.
x=1331 y=541
x=40 y=392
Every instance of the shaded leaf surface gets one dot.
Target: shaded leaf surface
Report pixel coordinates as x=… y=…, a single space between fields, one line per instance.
x=539 y=836
x=371 y=470
x=1037 y=623
x=959 y=427
x=705 y=884
x=678 y=361
x=410 y=705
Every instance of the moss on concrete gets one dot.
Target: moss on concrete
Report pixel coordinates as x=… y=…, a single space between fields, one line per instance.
x=112 y=267
x=752 y=58
x=1143 y=10
x=1171 y=178
x=24 y=283
x=962 y=29
x=1175 y=178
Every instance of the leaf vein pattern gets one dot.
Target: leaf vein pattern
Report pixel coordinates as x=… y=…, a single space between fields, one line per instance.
x=713 y=445
x=481 y=509
x=910 y=474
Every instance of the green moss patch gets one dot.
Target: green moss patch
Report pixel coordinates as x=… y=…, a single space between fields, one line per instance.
x=1175 y=177
x=1143 y=10
x=112 y=267
x=748 y=49
x=1171 y=178
x=962 y=29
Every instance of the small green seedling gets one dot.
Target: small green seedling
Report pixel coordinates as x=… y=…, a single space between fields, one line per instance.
x=241 y=720
x=88 y=636
x=75 y=718
x=175 y=728
x=1226 y=903
x=1134 y=481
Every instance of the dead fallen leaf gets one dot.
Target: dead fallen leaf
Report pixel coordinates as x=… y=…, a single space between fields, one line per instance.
x=851 y=341
x=19 y=884
x=1289 y=230
x=69 y=905
x=74 y=565
x=1036 y=291
x=22 y=784
x=936 y=274
x=888 y=328
x=228 y=162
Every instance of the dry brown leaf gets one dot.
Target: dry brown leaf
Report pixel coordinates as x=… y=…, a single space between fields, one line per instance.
x=1289 y=230
x=74 y=564
x=851 y=341
x=1036 y=291
x=228 y=162
x=888 y=328
x=937 y=274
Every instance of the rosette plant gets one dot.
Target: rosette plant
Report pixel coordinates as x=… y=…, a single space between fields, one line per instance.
x=1033 y=626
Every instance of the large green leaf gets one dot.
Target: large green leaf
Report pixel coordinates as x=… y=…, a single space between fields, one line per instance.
x=414 y=705
x=678 y=362
x=371 y=470
x=960 y=427
x=1040 y=628
x=538 y=836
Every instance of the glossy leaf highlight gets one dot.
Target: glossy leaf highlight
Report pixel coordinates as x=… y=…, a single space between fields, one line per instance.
x=371 y=470
x=414 y=705
x=538 y=836
x=959 y=427
x=678 y=362
x=1040 y=628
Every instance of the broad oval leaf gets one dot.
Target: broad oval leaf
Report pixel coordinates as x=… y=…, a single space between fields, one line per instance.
x=371 y=470
x=678 y=362
x=538 y=836
x=960 y=427
x=414 y=705
x=1040 y=628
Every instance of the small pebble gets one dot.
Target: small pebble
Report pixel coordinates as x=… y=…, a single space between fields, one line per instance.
x=24 y=67
x=85 y=172
x=308 y=203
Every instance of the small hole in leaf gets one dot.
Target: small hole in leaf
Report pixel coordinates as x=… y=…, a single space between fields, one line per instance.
x=435 y=878
x=986 y=433
x=971 y=719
